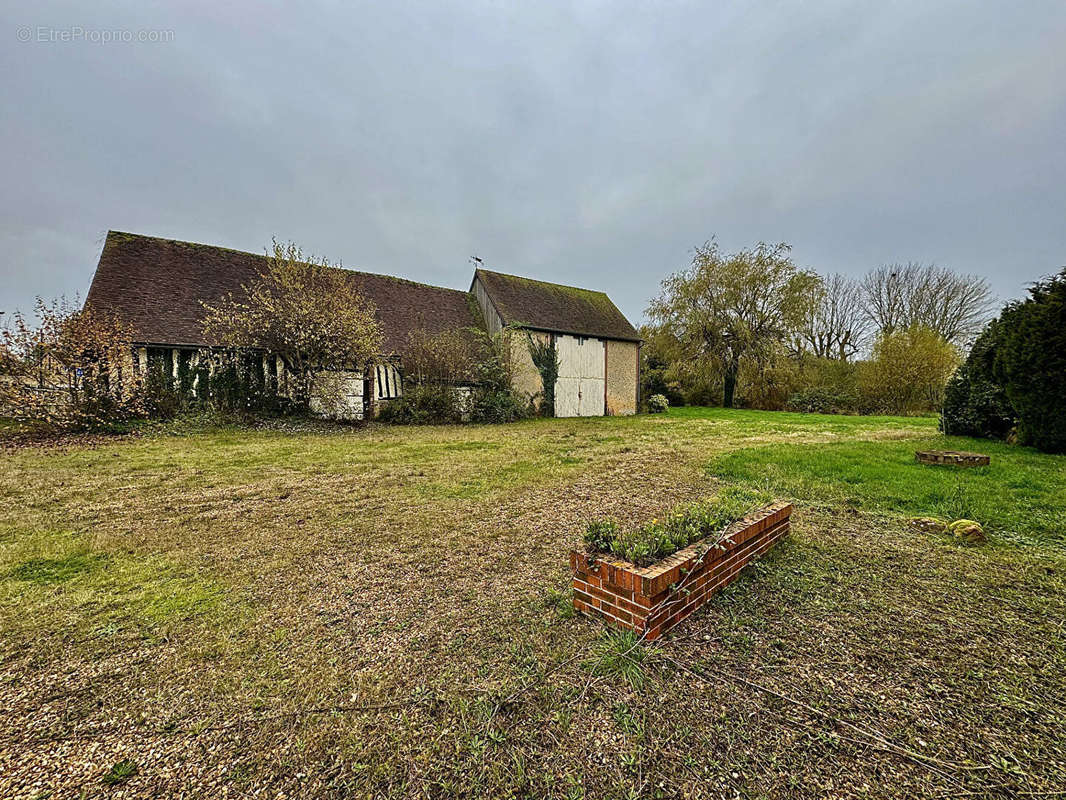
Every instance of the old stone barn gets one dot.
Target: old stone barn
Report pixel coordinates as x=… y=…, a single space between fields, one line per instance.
x=158 y=286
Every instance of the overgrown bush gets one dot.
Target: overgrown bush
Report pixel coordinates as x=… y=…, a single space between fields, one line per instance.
x=494 y=399
x=236 y=383
x=494 y=405
x=657 y=539
x=72 y=370
x=907 y=372
x=825 y=385
x=702 y=394
x=231 y=383
x=974 y=404
x=163 y=397
x=823 y=400
x=768 y=382
x=448 y=357
x=456 y=376
x=658 y=404
x=659 y=357
x=424 y=404
x=1030 y=363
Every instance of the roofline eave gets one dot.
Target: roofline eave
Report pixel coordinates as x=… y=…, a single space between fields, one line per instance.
x=587 y=334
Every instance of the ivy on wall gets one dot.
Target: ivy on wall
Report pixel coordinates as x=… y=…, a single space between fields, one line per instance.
x=545 y=357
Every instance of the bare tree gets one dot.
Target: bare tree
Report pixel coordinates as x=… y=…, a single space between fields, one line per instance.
x=837 y=325
x=897 y=296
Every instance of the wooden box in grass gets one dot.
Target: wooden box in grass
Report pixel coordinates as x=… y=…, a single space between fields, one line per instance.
x=651 y=600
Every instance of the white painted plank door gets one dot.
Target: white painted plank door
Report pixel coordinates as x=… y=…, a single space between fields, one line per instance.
x=579 y=389
x=568 y=397
x=568 y=381
x=591 y=394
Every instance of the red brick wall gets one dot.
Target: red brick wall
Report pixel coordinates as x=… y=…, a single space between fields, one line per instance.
x=651 y=600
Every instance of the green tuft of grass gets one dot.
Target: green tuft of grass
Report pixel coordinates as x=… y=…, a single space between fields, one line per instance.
x=620 y=654
x=121 y=772
x=629 y=720
x=562 y=602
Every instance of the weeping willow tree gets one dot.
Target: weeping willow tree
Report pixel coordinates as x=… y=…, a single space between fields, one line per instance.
x=732 y=310
x=545 y=357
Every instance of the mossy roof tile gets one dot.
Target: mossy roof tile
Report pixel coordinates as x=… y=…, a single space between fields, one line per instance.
x=554 y=307
x=157 y=285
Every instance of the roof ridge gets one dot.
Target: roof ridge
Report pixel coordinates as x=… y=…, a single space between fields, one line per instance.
x=263 y=256
x=543 y=283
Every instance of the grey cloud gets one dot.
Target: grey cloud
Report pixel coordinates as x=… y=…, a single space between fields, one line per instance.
x=591 y=143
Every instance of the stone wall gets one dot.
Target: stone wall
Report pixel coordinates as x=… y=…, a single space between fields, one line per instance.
x=526 y=379
x=622 y=367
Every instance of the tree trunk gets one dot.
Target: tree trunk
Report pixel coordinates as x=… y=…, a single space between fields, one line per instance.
x=302 y=386
x=731 y=370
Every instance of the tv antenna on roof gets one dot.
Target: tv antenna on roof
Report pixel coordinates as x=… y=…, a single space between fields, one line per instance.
x=477 y=262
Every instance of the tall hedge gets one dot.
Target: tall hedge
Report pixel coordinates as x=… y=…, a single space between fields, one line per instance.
x=974 y=404
x=1030 y=363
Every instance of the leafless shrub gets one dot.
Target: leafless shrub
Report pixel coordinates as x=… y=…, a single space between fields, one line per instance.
x=72 y=370
x=446 y=357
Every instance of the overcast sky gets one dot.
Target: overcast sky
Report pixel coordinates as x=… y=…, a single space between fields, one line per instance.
x=588 y=143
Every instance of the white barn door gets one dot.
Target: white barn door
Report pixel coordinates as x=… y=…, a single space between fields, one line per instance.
x=580 y=387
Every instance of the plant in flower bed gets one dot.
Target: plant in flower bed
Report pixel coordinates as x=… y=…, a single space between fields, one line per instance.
x=657 y=539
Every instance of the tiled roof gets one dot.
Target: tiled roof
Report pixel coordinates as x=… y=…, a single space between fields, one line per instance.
x=156 y=286
x=553 y=307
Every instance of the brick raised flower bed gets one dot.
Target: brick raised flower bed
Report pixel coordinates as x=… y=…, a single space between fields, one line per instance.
x=651 y=600
x=954 y=458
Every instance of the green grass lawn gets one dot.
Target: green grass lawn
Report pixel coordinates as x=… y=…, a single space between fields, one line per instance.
x=386 y=612
x=1020 y=496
